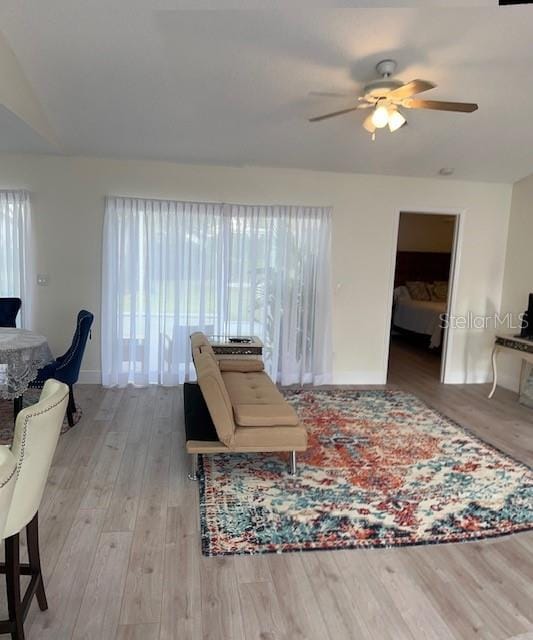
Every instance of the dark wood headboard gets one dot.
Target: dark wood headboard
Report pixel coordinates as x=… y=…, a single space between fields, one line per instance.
x=418 y=265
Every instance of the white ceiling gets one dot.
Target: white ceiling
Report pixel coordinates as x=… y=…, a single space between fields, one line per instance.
x=140 y=79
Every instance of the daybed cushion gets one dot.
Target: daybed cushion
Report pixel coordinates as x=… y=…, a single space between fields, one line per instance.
x=264 y=415
x=256 y=401
x=256 y=439
x=243 y=366
x=290 y=438
x=251 y=388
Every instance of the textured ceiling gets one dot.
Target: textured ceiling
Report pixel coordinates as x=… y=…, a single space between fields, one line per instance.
x=139 y=79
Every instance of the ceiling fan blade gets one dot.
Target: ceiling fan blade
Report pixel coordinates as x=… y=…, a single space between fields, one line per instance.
x=410 y=88
x=438 y=105
x=332 y=115
x=368 y=124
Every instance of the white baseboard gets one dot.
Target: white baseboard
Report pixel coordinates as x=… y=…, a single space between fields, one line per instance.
x=362 y=378
x=366 y=378
x=90 y=376
x=474 y=377
x=508 y=381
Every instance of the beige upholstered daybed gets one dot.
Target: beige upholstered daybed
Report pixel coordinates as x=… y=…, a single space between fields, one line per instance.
x=247 y=410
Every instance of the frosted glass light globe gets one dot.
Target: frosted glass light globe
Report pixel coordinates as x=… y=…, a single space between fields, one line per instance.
x=396 y=120
x=380 y=117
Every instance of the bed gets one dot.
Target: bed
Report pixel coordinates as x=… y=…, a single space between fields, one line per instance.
x=421 y=317
x=415 y=316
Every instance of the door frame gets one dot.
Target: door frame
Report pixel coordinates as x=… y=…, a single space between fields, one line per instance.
x=455 y=265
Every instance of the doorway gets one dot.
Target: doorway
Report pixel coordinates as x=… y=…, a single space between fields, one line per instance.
x=423 y=278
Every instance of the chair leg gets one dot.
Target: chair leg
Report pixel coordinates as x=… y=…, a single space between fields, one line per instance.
x=14 y=604
x=34 y=557
x=292 y=463
x=193 y=473
x=71 y=406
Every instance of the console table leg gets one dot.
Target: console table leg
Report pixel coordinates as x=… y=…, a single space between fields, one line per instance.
x=494 y=372
x=522 y=369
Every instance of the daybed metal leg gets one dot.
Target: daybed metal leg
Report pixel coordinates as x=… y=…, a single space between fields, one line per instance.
x=292 y=463
x=193 y=473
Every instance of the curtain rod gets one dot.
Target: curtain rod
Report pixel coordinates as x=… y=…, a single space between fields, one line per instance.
x=220 y=203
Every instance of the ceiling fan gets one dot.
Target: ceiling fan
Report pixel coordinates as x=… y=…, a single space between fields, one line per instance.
x=385 y=95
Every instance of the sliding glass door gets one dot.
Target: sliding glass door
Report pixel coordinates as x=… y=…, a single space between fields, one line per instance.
x=171 y=268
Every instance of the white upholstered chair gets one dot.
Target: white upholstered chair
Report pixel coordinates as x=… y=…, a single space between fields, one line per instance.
x=8 y=468
x=23 y=474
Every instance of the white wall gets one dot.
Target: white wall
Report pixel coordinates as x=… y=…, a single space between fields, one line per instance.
x=518 y=280
x=425 y=233
x=68 y=202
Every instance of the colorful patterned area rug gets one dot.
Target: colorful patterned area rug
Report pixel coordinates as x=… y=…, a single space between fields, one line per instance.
x=382 y=470
x=31 y=396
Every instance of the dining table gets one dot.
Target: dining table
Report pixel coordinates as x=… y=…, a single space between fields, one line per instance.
x=22 y=354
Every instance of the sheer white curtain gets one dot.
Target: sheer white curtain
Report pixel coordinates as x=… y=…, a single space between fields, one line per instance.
x=279 y=287
x=171 y=268
x=15 y=263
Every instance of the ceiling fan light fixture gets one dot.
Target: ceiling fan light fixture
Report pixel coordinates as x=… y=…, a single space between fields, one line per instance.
x=385 y=94
x=380 y=117
x=396 y=120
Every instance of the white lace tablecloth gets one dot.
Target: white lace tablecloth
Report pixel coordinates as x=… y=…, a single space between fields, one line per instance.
x=22 y=354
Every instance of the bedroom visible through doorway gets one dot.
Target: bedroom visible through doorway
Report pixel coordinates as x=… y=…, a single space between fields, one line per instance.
x=422 y=288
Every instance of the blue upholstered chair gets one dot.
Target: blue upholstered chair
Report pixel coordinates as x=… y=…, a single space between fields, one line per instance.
x=66 y=368
x=9 y=308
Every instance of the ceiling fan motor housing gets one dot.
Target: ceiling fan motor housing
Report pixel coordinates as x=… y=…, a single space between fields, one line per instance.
x=386 y=67
x=380 y=88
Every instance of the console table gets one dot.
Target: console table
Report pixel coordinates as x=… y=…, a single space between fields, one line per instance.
x=518 y=346
x=227 y=347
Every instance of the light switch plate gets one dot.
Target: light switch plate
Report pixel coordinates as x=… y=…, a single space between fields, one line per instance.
x=43 y=279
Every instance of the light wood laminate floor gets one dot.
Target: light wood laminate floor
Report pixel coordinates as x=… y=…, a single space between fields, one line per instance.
x=121 y=553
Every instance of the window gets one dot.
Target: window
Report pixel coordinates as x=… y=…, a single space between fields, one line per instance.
x=14 y=250
x=171 y=268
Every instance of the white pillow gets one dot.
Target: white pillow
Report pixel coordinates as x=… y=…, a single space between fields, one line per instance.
x=401 y=293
